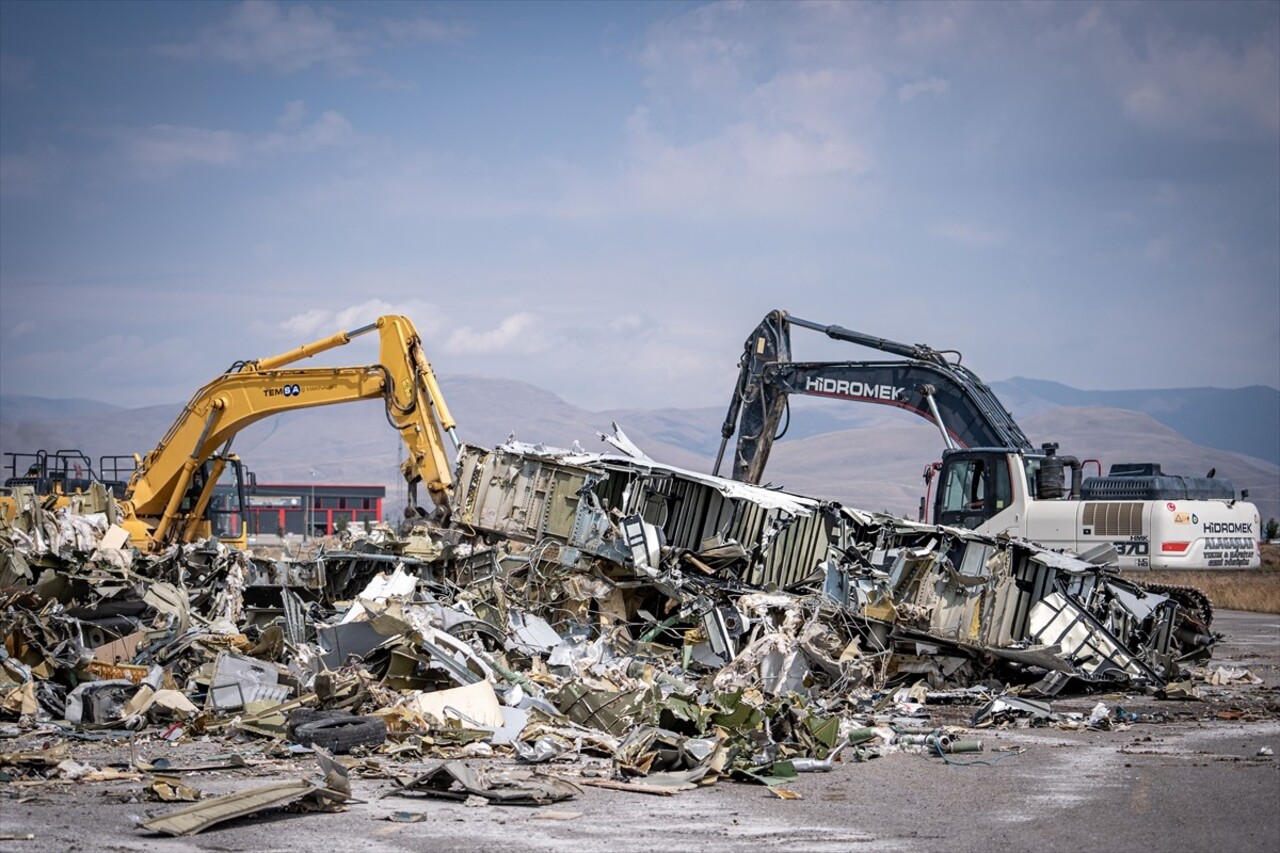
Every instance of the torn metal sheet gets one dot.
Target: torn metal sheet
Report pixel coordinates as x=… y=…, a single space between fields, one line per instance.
x=610 y=711
x=209 y=813
x=1056 y=620
x=664 y=758
x=1008 y=706
x=239 y=680
x=454 y=780
x=398 y=584
x=171 y=790
x=642 y=787
x=531 y=634
x=328 y=795
x=168 y=599
x=343 y=642
x=476 y=705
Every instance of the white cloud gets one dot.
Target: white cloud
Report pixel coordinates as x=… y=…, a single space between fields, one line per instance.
x=370 y=310
x=331 y=129
x=624 y=331
x=703 y=50
x=748 y=113
x=630 y=324
x=291 y=118
x=826 y=102
x=327 y=321
x=162 y=149
x=929 y=26
x=261 y=33
x=933 y=86
x=422 y=28
x=516 y=333
x=1202 y=86
x=296 y=37
x=309 y=322
x=678 y=359
x=797 y=128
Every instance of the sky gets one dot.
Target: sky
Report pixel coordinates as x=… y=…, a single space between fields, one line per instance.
x=603 y=199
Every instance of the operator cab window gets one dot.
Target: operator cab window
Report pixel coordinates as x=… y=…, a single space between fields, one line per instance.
x=1001 y=484
x=964 y=487
x=1032 y=466
x=974 y=489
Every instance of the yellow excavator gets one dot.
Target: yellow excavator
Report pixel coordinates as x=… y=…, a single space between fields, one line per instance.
x=170 y=496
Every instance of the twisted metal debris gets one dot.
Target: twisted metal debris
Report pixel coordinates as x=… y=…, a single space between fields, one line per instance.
x=578 y=607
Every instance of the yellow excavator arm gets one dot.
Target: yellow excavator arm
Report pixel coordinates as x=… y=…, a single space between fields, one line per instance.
x=154 y=507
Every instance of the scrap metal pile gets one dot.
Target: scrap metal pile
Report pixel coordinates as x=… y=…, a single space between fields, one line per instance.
x=654 y=628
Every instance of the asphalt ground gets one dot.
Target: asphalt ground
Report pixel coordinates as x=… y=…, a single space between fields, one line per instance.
x=1191 y=782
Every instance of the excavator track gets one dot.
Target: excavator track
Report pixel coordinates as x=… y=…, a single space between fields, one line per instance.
x=1188 y=597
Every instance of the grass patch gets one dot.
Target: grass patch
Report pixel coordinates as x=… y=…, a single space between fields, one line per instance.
x=1256 y=590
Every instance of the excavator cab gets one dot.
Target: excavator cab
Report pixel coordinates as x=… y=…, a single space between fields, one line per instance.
x=978 y=483
x=221 y=503
x=974 y=486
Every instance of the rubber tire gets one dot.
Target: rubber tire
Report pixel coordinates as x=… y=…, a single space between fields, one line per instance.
x=302 y=716
x=342 y=734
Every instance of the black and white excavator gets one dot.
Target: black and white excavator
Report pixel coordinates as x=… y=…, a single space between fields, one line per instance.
x=991 y=478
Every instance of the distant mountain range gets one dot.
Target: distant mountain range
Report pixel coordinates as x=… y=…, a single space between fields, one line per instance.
x=1246 y=420
x=864 y=456
x=17 y=408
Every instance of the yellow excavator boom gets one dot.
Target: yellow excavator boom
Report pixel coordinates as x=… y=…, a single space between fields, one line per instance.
x=158 y=507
